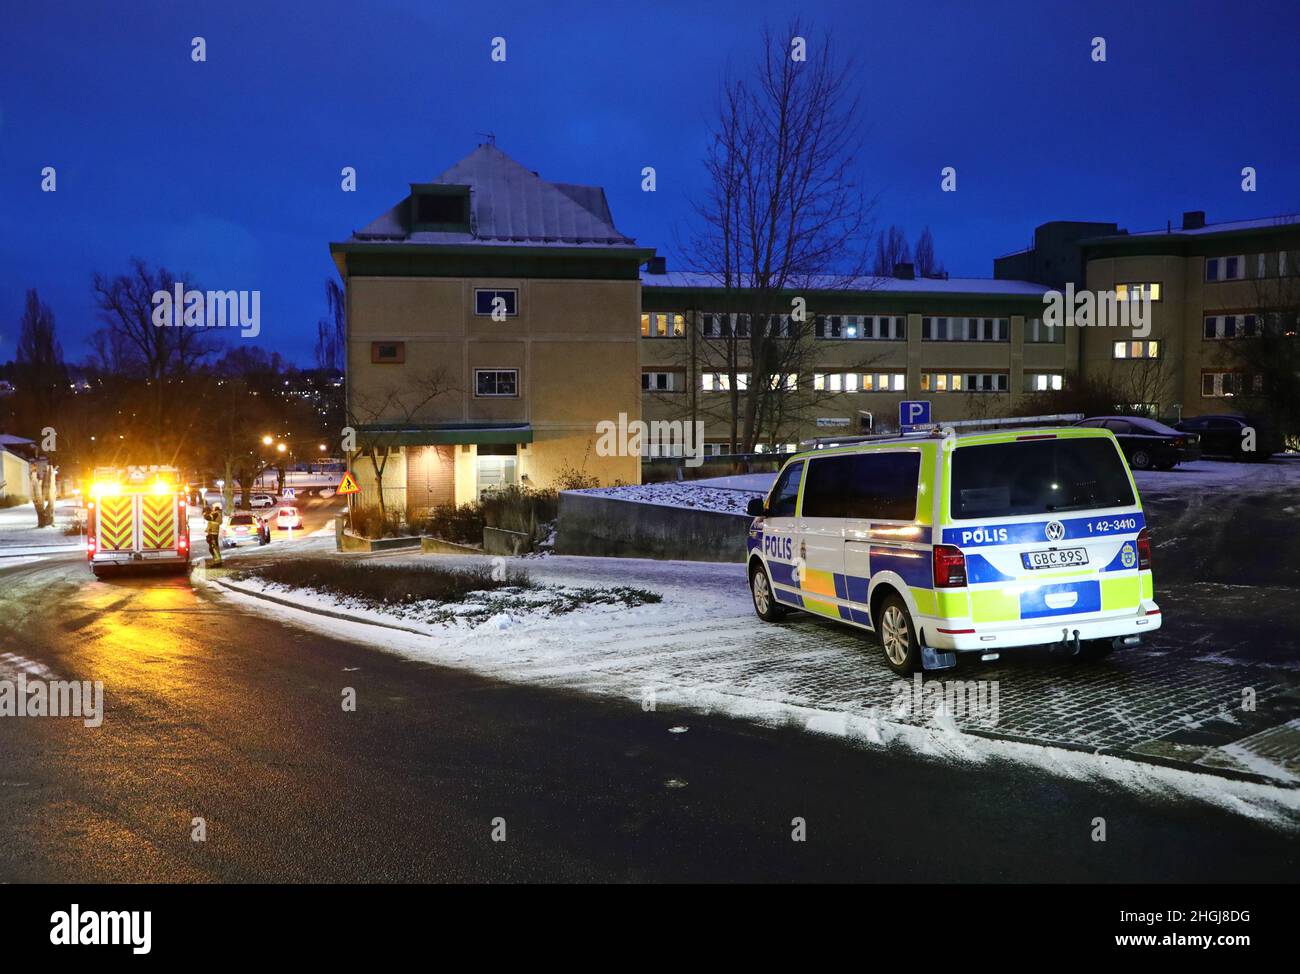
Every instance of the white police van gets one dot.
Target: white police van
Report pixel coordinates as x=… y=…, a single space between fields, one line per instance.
x=973 y=543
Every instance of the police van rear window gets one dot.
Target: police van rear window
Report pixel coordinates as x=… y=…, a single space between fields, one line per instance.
x=1038 y=477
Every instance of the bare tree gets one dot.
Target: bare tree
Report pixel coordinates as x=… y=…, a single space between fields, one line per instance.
x=331 y=331
x=891 y=250
x=923 y=257
x=40 y=370
x=783 y=216
x=159 y=355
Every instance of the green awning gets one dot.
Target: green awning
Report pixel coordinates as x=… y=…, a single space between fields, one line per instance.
x=447 y=434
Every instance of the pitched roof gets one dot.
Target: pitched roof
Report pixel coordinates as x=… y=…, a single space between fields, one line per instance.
x=509 y=205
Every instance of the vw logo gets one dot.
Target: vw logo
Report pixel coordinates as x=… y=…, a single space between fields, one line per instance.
x=1055 y=531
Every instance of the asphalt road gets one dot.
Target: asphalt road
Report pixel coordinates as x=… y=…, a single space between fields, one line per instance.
x=237 y=719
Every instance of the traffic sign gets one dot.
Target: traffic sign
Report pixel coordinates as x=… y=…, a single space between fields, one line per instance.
x=348 y=484
x=288 y=494
x=915 y=412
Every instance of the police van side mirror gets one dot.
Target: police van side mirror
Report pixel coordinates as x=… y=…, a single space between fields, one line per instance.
x=756 y=507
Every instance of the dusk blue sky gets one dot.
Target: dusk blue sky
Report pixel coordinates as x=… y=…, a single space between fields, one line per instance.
x=229 y=169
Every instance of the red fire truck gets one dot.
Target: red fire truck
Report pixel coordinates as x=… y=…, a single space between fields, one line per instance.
x=137 y=516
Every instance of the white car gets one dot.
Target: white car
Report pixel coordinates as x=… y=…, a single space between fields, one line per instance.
x=261 y=500
x=288 y=517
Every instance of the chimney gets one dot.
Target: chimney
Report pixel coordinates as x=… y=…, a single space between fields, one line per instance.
x=1194 y=220
x=904 y=271
x=657 y=265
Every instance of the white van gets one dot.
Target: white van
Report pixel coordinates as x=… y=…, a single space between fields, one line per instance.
x=975 y=543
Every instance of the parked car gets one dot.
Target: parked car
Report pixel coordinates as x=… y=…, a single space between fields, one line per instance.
x=288 y=517
x=978 y=545
x=245 y=529
x=1148 y=444
x=1224 y=436
x=256 y=501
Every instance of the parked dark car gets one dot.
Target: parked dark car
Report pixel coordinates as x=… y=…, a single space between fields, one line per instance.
x=1148 y=444
x=1224 y=436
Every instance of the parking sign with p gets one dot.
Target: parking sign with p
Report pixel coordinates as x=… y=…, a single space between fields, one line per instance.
x=913 y=413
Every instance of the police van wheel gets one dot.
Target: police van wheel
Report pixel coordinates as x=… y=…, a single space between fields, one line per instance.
x=765 y=604
x=897 y=636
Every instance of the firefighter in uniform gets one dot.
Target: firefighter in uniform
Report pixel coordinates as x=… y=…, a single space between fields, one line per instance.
x=213 y=521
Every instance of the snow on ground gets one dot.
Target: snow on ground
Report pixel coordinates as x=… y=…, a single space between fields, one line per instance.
x=702 y=649
x=18 y=528
x=1281 y=472
x=691 y=494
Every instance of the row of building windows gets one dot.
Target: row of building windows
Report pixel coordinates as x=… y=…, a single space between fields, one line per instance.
x=965 y=330
x=1227 y=384
x=862 y=381
x=1230 y=326
x=1135 y=350
x=659 y=324
x=965 y=381
x=1233 y=268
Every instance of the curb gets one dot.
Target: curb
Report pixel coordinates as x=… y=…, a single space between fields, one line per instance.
x=289 y=603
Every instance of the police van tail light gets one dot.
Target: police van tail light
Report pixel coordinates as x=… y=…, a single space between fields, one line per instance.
x=949 y=567
x=1144 y=550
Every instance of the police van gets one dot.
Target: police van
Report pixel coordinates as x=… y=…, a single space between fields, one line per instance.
x=973 y=543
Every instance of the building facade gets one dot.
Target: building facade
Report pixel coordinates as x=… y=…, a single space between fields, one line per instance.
x=492 y=323
x=975 y=348
x=496 y=321
x=1213 y=287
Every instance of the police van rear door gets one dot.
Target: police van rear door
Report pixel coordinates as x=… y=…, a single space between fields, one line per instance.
x=1048 y=524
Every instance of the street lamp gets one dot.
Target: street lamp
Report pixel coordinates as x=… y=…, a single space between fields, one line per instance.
x=267 y=440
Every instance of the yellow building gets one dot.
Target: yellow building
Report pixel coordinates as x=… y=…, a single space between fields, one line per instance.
x=1211 y=286
x=492 y=324
x=974 y=347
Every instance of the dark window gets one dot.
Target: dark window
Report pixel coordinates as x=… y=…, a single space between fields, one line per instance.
x=496 y=382
x=786 y=492
x=1211 y=327
x=387 y=353
x=1231 y=271
x=485 y=298
x=876 y=485
x=442 y=208
x=1037 y=477
x=1212 y=270
x=1119 y=426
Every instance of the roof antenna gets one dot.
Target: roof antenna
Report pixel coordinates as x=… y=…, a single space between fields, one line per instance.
x=490 y=136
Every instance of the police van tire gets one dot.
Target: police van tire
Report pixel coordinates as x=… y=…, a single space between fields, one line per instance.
x=760 y=587
x=897 y=634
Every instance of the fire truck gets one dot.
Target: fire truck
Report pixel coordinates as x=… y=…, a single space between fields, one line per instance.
x=137 y=516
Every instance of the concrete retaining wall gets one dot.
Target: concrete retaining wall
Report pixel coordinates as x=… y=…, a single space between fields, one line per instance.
x=436 y=546
x=499 y=541
x=353 y=542
x=606 y=527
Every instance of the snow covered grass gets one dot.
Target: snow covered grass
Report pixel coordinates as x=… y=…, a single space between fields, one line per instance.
x=433 y=594
x=690 y=494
